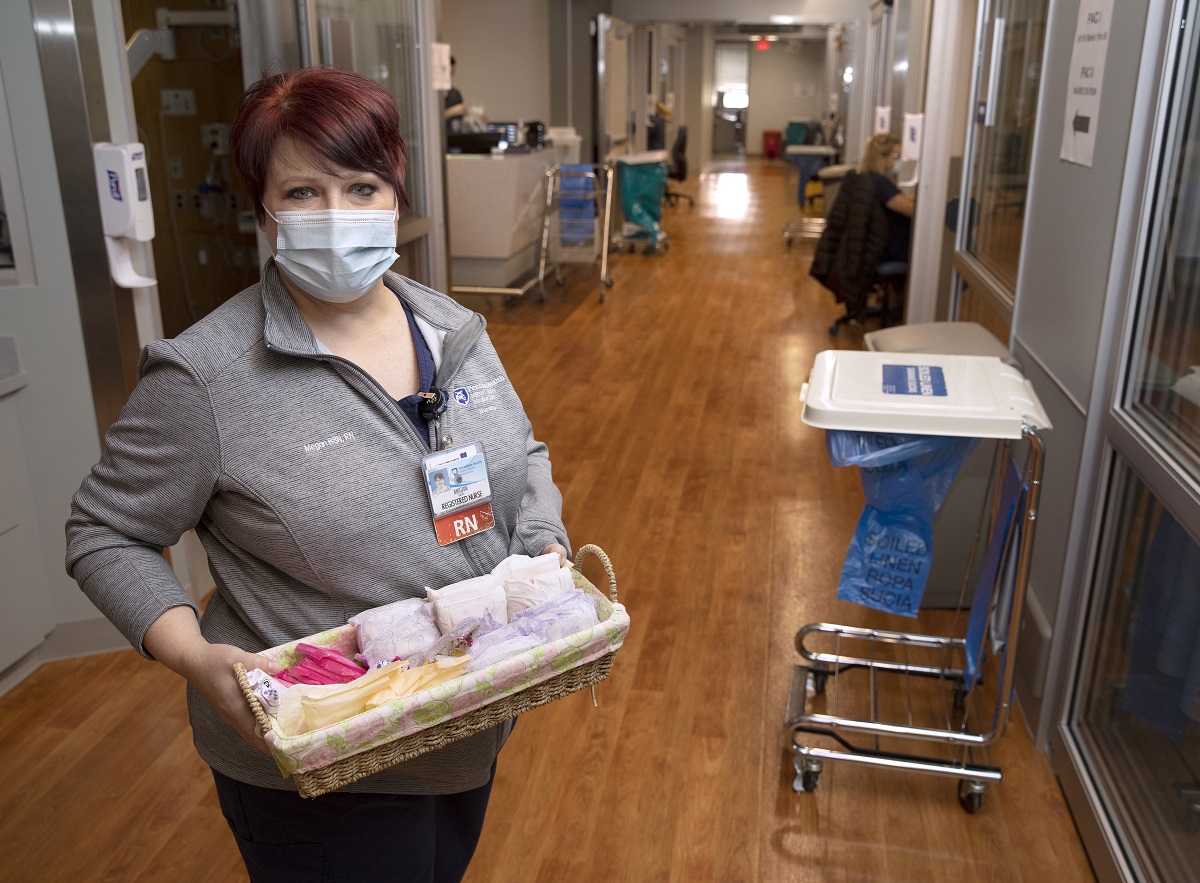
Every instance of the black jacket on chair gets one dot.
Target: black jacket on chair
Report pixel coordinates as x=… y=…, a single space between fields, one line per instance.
x=853 y=243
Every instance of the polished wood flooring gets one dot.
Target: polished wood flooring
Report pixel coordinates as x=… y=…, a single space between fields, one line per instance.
x=672 y=415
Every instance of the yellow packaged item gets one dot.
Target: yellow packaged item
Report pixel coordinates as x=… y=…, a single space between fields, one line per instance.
x=307 y=707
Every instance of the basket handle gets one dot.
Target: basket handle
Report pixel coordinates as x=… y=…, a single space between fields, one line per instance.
x=239 y=672
x=584 y=551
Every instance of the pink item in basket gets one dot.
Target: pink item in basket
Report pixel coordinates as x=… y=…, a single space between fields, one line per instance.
x=321 y=666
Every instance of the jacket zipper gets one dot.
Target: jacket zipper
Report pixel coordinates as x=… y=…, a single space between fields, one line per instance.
x=435 y=434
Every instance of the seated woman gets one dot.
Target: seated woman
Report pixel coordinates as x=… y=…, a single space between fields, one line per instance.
x=880 y=162
x=862 y=256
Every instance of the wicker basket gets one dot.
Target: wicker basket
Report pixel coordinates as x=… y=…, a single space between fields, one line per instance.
x=349 y=769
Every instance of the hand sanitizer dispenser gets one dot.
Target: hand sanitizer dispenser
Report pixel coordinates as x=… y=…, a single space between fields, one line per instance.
x=910 y=149
x=125 y=210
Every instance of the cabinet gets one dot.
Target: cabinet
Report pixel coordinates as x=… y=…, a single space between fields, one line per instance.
x=26 y=615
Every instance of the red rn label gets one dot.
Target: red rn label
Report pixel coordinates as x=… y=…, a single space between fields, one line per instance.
x=461 y=525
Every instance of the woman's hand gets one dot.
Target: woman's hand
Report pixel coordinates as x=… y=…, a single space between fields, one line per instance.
x=210 y=671
x=561 y=551
x=174 y=639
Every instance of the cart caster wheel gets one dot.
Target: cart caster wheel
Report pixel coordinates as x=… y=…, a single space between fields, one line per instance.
x=970 y=795
x=819 y=679
x=560 y=280
x=608 y=283
x=788 y=240
x=834 y=329
x=808 y=772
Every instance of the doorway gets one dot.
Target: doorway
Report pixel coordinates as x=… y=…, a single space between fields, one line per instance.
x=731 y=98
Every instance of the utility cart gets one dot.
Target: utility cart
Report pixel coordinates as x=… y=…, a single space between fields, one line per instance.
x=575 y=227
x=925 y=703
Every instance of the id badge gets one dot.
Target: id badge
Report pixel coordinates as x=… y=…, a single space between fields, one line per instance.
x=460 y=494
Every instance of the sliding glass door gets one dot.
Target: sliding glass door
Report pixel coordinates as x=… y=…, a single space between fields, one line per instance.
x=1130 y=736
x=1008 y=62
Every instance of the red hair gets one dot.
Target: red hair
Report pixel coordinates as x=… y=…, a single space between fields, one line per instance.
x=339 y=115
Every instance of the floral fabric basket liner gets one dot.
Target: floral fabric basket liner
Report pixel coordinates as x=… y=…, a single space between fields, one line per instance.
x=328 y=758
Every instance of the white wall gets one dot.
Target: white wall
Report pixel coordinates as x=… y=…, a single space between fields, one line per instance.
x=786 y=83
x=503 y=52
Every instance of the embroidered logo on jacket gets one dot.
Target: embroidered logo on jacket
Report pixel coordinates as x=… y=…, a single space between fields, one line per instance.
x=480 y=394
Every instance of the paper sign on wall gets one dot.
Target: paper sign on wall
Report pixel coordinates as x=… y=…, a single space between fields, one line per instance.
x=439 y=60
x=1085 y=81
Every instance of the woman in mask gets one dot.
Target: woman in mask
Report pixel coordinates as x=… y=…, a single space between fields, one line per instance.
x=293 y=428
x=881 y=162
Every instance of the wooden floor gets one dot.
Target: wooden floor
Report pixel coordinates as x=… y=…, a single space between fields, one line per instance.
x=672 y=416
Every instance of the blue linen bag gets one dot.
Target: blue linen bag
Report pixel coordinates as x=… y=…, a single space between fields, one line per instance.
x=905 y=478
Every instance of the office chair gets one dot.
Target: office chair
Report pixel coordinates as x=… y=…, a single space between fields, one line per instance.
x=678 y=171
x=885 y=301
x=848 y=259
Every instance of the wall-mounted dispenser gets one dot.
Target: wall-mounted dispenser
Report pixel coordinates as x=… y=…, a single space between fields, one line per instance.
x=883 y=118
x=124 y=190
x=910 y=146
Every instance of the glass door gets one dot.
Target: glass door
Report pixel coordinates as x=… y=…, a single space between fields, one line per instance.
x=614 y=103
x=1131 y=730
x=1008 y=60
x=381 y=39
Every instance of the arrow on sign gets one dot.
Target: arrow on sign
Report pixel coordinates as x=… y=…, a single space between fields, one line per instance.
x=1081 y=123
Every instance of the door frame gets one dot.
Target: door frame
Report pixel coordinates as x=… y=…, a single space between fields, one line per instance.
x=1108 y=436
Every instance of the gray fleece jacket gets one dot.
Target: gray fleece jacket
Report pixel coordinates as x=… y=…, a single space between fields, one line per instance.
x=302 y=478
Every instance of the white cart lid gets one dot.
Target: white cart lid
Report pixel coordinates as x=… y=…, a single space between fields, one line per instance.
x=922 y=393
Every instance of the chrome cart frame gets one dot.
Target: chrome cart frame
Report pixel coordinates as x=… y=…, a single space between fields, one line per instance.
x=947 y=727
x=600 y=178
x=968 y=729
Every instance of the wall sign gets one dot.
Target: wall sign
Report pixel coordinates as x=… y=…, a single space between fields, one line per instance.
x=1085 y=81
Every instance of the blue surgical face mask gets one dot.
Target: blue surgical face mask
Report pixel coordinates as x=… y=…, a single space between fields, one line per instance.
x=336 y=255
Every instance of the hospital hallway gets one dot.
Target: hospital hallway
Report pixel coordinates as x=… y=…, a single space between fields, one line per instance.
x=672 y=415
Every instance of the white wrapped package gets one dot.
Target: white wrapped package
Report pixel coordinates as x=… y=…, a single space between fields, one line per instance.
x=566 y=614
x=522 y=567
x=500 y=645
x=395 y=631
x=537 y=589
x=268 y=690
x=467 y=599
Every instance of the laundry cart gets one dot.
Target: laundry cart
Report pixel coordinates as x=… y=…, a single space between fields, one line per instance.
x=575 y=226
x=642 y=181
x=904 y=701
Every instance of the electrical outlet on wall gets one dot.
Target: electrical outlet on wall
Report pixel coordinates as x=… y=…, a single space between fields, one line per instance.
x=215 y=137
x=179 y=200
x=178 y=102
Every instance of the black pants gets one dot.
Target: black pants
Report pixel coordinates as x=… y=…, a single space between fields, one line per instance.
x=353 y=837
